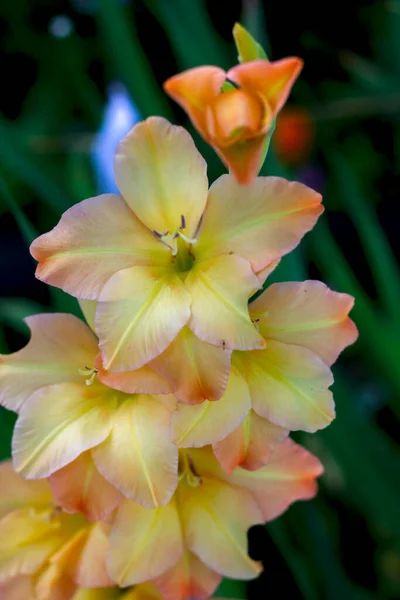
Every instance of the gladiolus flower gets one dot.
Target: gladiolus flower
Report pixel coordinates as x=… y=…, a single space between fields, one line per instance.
x=44 y=553
x=208 y=517
x=280 y=388
x=234 y=111
x=171 y=264
x=87 y=436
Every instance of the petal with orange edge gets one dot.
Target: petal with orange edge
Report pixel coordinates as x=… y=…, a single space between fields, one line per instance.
x=215 y=518
x=138 y=457
x=251 y=445
x=289 y=386
x=142 y=381
x=306 y=314
x=208 y=422
x=27 y=539
x=270 y=80
x=79 y=487
x=260 y=222
x=189 y=578
x=17 y=493
x=196 y=370
x=144 y=543
x=220 y=289
x=91 y=568
x=194 y=89
x=93 y=240
x=60 y=344
x=289 y=476
x=59 y=423
x=140 y=312
x=162 y=176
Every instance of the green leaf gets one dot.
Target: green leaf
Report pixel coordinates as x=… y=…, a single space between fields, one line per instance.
x=27 y=230
x=14 y=310
x=231 y=589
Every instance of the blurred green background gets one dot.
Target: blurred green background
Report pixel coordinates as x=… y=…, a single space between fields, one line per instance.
x=66 y=64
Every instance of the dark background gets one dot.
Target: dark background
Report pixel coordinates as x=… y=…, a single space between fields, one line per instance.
x=340 y=134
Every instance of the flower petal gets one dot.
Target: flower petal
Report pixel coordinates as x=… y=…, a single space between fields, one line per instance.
x=138 y=457
x=17 y=493
x=144 y=543
x=60 y=344
x=162 y=176
x=260 y=222
x=220 y=289
x=194 y=89
x=140 y=312
x=17 y=588
x=272 y=80
x=215 y=518
x=208 y=422
x=251 y=445
x=59 y=423
x=189 y=578
x=196 y=370
x=289 y=476
x=79 y=487
x=27 y=539
x=289 y=386
x=306 y=314
x=243 y=159
x=93 y=240
x=142 y=381
x=91 y=568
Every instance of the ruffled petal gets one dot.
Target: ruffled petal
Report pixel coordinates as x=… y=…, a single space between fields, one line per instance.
x=18 y=493
x=208 y=422
x=93 y=240
x=189 y=578
x=306 y=314
x=60 y=344
x=59 y=423
x=144 y=543
x=270 y=80
x=162 y=176
x=289 y=476
x=260 y=222
x=215 y=518
x=141 y=310
x=196 y=370
x=79 y=487
x=138 y=457
x=194 y=89
x=289 y=386
x=220 y=289
x=250 y=445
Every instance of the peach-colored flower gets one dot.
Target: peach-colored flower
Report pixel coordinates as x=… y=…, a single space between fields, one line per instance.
x=75 y=429
x=208 y=517
x=235 y=111
x=45 y=553
x=169 y=262
x=280 y=388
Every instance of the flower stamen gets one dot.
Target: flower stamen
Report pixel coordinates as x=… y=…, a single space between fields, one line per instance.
x=89 y=373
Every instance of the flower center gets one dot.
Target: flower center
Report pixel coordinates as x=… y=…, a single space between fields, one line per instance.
x=180 y=246
x=186 y=470
x=89 y=373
